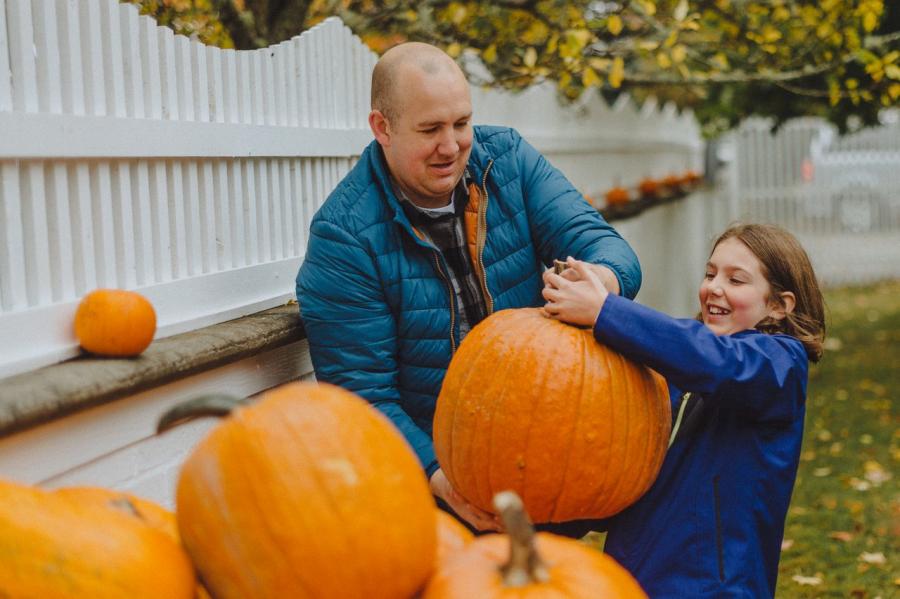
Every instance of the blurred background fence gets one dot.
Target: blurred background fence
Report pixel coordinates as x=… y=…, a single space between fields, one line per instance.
x=839 y=194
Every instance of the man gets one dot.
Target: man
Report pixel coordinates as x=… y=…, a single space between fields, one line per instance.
x=438 y=225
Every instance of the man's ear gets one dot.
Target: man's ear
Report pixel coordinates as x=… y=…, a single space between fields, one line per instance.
x=781 y=309
x=381 y=128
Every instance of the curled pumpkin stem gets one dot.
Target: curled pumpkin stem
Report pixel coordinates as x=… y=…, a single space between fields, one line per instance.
x=206 y=405
x=525 y=566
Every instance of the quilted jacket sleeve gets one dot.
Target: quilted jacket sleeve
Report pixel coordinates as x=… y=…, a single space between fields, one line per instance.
x=350 y=328
x=764 y=376
x=564 y=224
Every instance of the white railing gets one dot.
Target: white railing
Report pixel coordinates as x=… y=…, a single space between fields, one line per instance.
x=132 y=157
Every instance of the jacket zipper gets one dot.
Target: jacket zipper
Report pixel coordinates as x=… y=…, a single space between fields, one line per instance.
x=719 y=545
x=481 y=239
x=440 y=270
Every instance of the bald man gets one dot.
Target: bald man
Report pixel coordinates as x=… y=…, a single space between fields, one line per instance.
x=438 y=225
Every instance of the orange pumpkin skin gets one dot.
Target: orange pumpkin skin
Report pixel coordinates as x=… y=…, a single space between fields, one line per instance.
x=648 y=188
x=56 y=546
x=115 y=323
x=575 y=572
x=535 y=406
x=452 y=536
x=309 y=492
x=617 y=196
x=152 y=514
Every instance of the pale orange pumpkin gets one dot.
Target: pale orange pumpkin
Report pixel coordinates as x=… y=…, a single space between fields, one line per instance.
x=55 y=545
x=649 y=188
x=115 y=323
x=308 y=492
x=617 y=196
x=523 y=565
x=452 y=536
x=539 y=407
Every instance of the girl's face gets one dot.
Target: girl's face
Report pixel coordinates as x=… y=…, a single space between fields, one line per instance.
x=734 y=294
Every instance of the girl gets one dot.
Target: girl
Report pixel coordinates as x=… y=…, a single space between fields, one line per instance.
x=712 y=523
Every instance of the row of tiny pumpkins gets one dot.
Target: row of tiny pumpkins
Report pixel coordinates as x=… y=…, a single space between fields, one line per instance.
x=653 y=189
x=311 y=492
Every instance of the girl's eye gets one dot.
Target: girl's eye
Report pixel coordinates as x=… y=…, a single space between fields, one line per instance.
x=709 y=276
x=736 y=281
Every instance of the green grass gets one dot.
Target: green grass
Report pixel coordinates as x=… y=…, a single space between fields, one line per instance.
x=842 y=537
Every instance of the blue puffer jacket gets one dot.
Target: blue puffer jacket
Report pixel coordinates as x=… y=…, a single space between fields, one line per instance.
x=378 y=312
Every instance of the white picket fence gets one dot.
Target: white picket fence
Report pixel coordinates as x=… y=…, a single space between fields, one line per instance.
x=131 y=157
x=839 y=194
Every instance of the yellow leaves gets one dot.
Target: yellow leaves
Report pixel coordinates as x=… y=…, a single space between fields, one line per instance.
x=894 y=92
x=617 y=73
x=870 y=21
x=834 y=93
x=681 y=10
x=663 y=60
x=574 y=42
x=530 y=58
x=770 y=34
x=679 y=53
x=454 y=49
x=489 y=55
x=614 y=24
x=893 y=72
x=590 y=78
x=647 y=6
x=720 y=61
x=457 y=12
x=536 y=33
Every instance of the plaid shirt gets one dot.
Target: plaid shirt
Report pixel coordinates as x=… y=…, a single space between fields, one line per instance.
x=447 y=233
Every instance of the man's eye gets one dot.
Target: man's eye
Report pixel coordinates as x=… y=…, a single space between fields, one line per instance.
x=462 y=124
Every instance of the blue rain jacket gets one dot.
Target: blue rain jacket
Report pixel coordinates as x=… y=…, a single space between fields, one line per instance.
x=712 y=523
x=375 y=302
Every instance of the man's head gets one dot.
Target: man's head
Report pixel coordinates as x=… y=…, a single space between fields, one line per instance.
x=421 y=115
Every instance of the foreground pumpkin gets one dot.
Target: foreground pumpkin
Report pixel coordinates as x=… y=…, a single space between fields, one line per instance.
x=539 y=407
x=452 y=536
x=115 y=323
x=309 y=492
x=52 y=545
x=150 y=513
x=523 y=565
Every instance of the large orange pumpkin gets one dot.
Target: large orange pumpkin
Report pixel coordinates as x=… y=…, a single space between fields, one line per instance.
x=523 y=565
x=309 y=492
x=53 y=545
x=115 y=323
x=539 y=407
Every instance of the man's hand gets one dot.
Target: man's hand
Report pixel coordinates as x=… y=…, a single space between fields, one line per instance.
x=478 y=518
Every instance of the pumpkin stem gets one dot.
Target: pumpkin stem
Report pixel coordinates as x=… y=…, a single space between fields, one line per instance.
x=205 y=405
x=525 y=566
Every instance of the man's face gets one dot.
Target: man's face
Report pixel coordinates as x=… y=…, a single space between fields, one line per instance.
x=427 y=145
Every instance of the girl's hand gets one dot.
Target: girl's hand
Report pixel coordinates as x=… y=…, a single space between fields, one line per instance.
x=576 y=296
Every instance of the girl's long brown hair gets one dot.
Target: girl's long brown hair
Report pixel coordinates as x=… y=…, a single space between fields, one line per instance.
x=786 y=267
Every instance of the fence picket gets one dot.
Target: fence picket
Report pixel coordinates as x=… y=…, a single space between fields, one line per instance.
x=132 y=63
x=47 y=57
x=12 y=260
x=21 y=56
x=6 y=100
x=62 y=256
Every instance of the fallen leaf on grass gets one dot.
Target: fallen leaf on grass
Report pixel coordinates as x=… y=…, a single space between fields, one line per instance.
x=873 y=558
x=841 y=535
x=807 y=580
x=832 y=344
x=787 y=544
x=859 y=485
x=820 y=472
x=875 y=474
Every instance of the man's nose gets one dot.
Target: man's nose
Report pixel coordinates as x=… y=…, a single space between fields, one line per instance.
x=448 y=143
